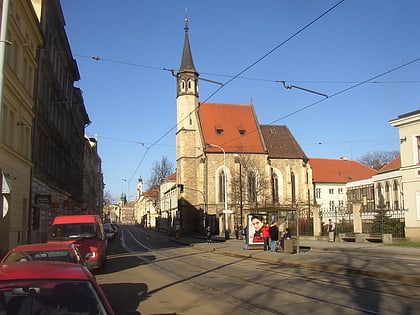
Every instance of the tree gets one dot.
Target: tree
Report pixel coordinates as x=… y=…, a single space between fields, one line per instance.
x=252 y=182
x=160 y=171
x=378 y=159
x=108 y=200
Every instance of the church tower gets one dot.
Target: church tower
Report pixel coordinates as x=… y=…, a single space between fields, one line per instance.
x=187 y=134
x=189 y=147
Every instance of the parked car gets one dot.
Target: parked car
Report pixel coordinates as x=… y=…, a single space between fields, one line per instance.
x=86 y=232
x=46 y=288
x=44 y=251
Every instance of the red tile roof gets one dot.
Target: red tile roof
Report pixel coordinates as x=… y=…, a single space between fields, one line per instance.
x=231 y=126
x=339 y=171
x=395 y=164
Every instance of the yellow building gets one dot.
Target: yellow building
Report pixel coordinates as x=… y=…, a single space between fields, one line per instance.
x=409 y=132
x=20 y=44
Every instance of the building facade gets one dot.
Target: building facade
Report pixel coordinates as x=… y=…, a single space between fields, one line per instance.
x=20 y=44
x=409 y=134
x=59 y=128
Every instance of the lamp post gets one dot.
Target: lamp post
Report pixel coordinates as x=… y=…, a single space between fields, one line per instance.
x=225 y=188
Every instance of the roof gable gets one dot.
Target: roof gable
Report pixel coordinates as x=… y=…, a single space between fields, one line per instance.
x=231 y=126
x=339 y=171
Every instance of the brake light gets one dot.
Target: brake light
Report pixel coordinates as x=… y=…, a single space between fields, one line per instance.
x=91 y=255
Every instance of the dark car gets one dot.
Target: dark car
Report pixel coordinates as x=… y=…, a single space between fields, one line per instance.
x=47 y=288
x=45 y=251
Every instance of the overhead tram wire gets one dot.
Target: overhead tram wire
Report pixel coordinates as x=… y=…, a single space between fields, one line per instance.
x=274 y=49
x=336 y=94
x=97 y=58
x=348 y=89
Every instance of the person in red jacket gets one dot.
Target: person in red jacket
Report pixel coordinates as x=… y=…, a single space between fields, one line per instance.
x=266 y=236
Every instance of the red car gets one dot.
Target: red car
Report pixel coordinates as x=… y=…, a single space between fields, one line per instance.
x=45 y=251
x=40 y=287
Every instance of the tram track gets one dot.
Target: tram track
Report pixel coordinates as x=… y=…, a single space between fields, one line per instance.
x=218 y=268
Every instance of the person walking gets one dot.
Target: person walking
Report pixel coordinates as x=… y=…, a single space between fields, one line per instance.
x=331 y=231
x=208 y=234
x=266 y=236
x=274 y=236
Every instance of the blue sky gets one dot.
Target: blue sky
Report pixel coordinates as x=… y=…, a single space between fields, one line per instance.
x=363 y=54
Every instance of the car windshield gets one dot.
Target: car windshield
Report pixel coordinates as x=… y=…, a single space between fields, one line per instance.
x=51 y=255
x=49 y=297
x=72 y=231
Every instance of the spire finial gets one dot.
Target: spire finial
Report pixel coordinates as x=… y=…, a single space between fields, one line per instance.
x=186 y=20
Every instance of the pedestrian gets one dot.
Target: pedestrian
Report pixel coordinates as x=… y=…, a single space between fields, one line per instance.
x=208 y=234
x=266 y=236
x=245 y=233
x=331 y=231
x=274 y=236
x=236 y=231
x=286 y=235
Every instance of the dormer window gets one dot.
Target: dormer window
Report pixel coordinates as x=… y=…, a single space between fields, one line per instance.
x=219 y=131
x=242 y=132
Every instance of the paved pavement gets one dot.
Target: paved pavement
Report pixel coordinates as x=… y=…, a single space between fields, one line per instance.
x=370 y=259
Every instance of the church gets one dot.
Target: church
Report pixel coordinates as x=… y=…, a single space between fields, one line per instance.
x=230 y=167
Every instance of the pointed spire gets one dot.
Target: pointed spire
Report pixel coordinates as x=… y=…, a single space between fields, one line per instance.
x=187 y=64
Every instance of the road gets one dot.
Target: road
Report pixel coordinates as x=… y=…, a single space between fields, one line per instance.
x=149 y=272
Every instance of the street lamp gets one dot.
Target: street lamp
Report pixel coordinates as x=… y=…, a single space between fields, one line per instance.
x=225 y=188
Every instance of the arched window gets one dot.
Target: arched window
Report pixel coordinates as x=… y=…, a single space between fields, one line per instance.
x=275 y=181
x=396 y=195
x=252 y=186
x=221 y=184
x=293 y=182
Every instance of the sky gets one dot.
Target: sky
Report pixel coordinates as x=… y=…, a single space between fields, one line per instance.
x=363 y=55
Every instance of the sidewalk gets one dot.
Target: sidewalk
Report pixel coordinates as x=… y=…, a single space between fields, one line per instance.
x=369 y=259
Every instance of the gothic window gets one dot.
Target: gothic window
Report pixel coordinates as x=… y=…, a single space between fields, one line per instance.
x=275 y=188
x=293 y=182
x=222 y=187
x=252 y=187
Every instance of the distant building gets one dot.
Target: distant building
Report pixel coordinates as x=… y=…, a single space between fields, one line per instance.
x=329 y=178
